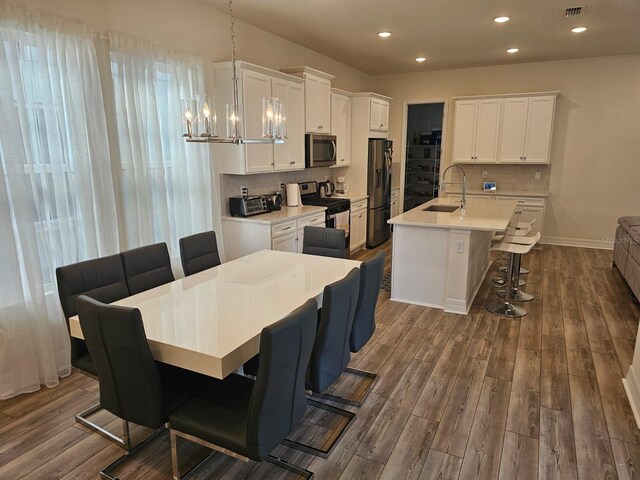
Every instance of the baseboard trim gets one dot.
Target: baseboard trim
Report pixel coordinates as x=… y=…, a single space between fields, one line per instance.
x=578 y=242
x=631 y=386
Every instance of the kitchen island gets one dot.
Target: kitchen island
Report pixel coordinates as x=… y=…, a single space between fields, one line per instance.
x=441 y=257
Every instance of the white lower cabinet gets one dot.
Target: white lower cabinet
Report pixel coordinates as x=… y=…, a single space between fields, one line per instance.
x=244 y=236
x=358 y=228
x=395 y=205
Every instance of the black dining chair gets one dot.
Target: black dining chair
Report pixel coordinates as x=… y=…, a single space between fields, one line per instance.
x=147 y=267
x=247 y=419
x=326 y=242
x=133 y=386
x=103 y=279
x=199 y=252
x=330 y=355
x=364 y=321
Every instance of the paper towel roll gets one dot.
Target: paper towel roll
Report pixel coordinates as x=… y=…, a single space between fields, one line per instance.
x=293 y=194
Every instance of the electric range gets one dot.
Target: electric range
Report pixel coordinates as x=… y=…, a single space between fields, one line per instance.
x=310 y=195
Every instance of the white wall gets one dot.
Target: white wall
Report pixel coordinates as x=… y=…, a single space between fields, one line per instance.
x=595 y=173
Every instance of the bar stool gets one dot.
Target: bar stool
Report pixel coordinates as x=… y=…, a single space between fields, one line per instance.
x=515 y=250
x=518 y=295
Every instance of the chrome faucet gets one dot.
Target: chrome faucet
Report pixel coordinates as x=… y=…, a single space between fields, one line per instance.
x=463 y=202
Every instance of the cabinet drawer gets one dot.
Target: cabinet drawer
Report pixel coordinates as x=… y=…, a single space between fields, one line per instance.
x=283 y=228
x=360 y=204
x=532 y=201
x=316 y=220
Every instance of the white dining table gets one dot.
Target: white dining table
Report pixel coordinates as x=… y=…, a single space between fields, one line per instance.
x=210 y=322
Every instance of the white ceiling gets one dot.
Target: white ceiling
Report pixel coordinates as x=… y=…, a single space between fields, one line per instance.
x=450 y=33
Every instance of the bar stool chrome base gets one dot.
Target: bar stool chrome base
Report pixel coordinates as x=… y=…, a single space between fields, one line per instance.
x=523 y=270
x=504 y=309
x=517 y=295
x=501 y=282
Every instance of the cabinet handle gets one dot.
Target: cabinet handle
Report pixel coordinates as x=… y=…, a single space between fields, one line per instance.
x=286 y=228
x=320 y=127
x=382 y=124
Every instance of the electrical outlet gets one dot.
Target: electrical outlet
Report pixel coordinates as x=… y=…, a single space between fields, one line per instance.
x=484 y=174
x=281 y=186
x=244 y=191
x=537 y=176
x=460 y=246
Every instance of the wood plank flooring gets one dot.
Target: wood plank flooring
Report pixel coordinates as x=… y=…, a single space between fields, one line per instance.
x=458 y=397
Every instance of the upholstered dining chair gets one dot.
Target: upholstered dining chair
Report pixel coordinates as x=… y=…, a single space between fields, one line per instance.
x=326 y=242
x=147 y=267
x=364 y=321
x=102 y=279
x=133 y=386
x=199 y=252
x=330 y=355
x=247 y=419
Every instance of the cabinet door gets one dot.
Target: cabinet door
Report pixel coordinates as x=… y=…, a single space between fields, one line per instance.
x=539 y=127
x=358 y=229
x=290 y=154
x=324 y=106
x=384 y=115
x=530 y=213
x=340 y=127
x=286 y=243
x=311 y=103
x=514 y=127
x=362 y=217
x=295 y=126
x=394 y=207
x=255 y=86
x=377 y=114
x=487 y=129
x=464 y=131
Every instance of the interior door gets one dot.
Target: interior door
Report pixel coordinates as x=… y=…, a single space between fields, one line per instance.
x=514 y=127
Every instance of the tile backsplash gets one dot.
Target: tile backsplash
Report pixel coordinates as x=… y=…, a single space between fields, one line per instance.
x=514 y=178
x=268 y=182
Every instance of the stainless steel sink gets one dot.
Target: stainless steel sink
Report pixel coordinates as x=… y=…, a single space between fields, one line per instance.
x=441 y=208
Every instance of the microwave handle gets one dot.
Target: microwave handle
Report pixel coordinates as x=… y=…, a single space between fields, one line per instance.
x=335 y=151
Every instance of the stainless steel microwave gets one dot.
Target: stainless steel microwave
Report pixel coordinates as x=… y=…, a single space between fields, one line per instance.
x=320 y=150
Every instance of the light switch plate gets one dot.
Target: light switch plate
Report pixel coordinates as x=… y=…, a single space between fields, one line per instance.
x=537 y=176
x=460 y=246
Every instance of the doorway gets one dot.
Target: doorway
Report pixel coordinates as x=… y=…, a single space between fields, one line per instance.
x=424 y=145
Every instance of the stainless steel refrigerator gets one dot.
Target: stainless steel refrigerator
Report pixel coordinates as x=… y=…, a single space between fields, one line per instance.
x=379 y=191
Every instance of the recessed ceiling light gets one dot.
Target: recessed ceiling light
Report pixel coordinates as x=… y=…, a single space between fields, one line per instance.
x=501 y=19
x=420 y=59
x=513 y=50
x=579 y=29
x=384 y=34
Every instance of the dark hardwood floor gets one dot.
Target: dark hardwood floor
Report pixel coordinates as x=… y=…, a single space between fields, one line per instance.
x=469 y=397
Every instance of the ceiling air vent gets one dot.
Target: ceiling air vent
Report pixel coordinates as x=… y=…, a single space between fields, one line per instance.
x=573 y=11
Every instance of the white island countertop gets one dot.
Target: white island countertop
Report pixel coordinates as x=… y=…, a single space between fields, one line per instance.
x=482 y=215
x=282 y=215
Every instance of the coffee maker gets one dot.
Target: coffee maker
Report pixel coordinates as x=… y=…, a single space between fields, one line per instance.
x=341 y=187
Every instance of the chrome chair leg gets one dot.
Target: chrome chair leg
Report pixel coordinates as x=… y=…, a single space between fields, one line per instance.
x=517 y=295
x=523 y=270
x=123 y=442
x=303 y=447
x=108 y=474
x=347 y=401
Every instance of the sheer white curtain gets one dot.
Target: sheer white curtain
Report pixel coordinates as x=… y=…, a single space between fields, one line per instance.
x=56 y=190
x=166 y=184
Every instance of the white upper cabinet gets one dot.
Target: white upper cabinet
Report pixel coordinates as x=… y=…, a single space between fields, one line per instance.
x=503 y=129
x=527 y=129
x=255 y=86
x=290 y=154
x=378 y=114
x=317 y=98
x=256 y=83
x=476 y=129
x=341 y=126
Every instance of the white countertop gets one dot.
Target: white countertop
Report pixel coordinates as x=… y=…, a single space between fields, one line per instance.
x=354 y=197
x=286 y=213
x=501 y=193
x=481 y=214
x=210 y=322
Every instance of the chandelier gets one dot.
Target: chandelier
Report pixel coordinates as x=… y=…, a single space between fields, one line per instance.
x=200 y=120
